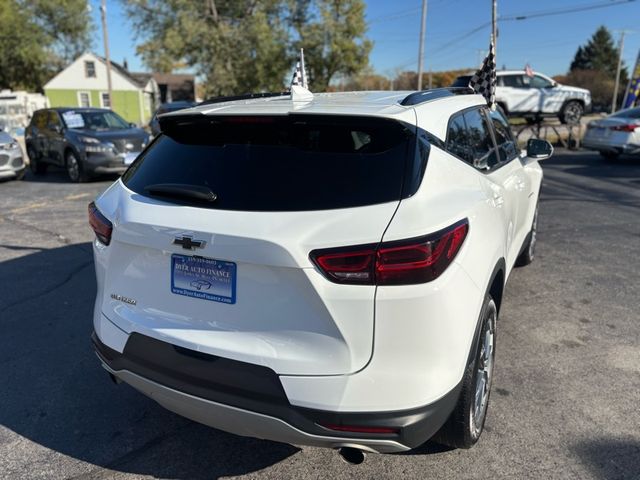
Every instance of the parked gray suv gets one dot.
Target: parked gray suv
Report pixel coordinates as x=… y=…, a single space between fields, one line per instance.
x=84 y=141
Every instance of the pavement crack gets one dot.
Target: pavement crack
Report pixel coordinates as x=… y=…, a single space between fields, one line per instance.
x=59 y=237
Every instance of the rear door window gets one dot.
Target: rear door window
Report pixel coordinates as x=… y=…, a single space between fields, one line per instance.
x=507 y=148
x=288 y=163
x=458 y=141
x=514 y=81
x=484 y=154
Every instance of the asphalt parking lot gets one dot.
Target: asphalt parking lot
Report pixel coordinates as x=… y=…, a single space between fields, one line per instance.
x=566 y=398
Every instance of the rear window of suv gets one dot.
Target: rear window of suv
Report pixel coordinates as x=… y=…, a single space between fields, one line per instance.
x=282 y=163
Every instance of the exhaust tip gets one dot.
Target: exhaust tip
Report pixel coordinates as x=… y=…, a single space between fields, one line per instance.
x=352 y=456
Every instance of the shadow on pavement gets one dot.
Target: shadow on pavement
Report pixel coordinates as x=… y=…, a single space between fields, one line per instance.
x=610 y=458
x=593 y=165
x=59 y=175
x=54 y=393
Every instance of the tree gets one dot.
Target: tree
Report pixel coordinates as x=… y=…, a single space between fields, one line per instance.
x=237 y=46
x=594 y=68
x=332 y=33
x=38 y=37
x=600 y=53
x=242 y=46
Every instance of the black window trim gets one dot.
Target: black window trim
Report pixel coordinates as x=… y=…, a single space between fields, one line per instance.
x=483 y=111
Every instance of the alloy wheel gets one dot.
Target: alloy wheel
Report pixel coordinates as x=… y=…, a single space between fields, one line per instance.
x=484 y=374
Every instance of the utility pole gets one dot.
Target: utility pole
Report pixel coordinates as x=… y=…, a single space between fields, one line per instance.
x=103 y=15
x=423 y=26
x=614 y=100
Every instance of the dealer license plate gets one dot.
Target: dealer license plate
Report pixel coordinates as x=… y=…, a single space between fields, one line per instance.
x=204 y=278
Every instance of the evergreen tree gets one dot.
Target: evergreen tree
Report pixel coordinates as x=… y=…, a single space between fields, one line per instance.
x=600 y=53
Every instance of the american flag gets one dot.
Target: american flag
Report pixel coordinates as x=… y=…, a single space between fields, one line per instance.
x=299 y=74
x=528 y=71
x=484 y=80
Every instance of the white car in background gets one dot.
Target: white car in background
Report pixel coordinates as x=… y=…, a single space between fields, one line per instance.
x=535 y=96
x=12 y=164
x=322 y=272
x=615 y=135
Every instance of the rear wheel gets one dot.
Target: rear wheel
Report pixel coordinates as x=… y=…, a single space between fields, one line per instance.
x=35 y=165
x=465 y=425
x=528 y=254
x=74 y=168
x=571 y=113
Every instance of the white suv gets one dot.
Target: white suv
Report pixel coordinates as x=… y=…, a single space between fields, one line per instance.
x=535 y=96
x=322 y=272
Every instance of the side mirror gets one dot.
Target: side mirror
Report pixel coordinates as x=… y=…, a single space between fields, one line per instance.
x=56 y=128
x=539 y=149
x=133 y=125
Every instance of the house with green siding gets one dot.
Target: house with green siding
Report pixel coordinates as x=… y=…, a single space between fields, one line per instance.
x=84 y=84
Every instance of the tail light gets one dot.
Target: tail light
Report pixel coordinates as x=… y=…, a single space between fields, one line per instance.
x=625 y=128
x=100 y=225
x=404 y=262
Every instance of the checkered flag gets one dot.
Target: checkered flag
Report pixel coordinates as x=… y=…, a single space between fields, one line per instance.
x=483 y=81
x=299 y=74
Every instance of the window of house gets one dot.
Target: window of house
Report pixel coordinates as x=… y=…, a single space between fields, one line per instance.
x=89 y=69
x=84 y=99
x=105 y=101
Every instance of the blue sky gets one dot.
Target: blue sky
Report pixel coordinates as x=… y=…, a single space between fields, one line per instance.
x=546 y=43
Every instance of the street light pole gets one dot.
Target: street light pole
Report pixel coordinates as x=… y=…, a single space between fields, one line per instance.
x=614 y=100
x=421 y=47
x=103 y=15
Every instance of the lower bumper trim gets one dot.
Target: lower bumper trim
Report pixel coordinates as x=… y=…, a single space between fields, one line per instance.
x=249 y=400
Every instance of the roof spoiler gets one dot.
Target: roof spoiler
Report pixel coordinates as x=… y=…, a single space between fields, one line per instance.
x=422 y=96
x=246 y=96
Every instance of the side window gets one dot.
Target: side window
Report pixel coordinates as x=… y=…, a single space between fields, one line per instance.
x=40 y=119
x=514 y=81
x=53 y=119
x=539 y=82
x=457 y=139
x=484 y=153
x=507 y=149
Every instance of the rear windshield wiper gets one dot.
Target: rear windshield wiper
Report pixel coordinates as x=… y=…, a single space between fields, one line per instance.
x=182 y=191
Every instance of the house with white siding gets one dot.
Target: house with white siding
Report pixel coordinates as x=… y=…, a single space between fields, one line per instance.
x=84 y=84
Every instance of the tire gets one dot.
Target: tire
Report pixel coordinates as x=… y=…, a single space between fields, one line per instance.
x=610 y=156
x=529 y=250
x=74 y=168
x=35 y=165
x=571 y=113
x=465 y=425
x=21 y=174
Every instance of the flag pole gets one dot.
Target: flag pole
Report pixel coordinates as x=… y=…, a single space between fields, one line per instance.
x=494 y=25
x=423 y=26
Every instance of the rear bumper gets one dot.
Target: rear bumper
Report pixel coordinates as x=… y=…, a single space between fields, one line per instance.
x=249 y=400
x=627 y=148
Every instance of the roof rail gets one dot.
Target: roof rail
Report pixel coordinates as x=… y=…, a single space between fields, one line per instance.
x=247 y=96
x=422 y=96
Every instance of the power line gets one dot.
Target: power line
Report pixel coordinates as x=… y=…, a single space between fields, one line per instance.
x=563 y=11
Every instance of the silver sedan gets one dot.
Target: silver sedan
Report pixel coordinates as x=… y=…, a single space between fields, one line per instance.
x=11 y=158
x=614 y=135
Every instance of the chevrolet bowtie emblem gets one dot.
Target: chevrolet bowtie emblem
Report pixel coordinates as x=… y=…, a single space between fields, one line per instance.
x=189 y=243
